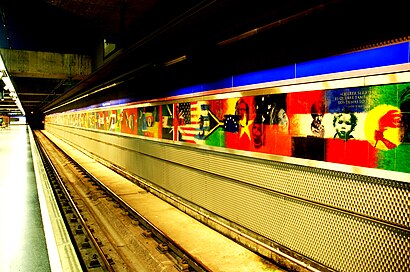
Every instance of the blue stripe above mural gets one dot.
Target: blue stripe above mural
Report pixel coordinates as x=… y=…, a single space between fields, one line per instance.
x=376 y=57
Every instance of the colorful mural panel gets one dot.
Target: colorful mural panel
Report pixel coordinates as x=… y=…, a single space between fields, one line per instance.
x=168 y=125
x=197 y=123
x=149 y=121
x=360 y=126
x=128 y=120
x=308 y=115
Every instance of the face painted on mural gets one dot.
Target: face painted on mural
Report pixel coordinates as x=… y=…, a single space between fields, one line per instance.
x=258 y=135
x=283 y=119
x=344 y=124
x=316 y=126
x=242 y=110
x=317 y=111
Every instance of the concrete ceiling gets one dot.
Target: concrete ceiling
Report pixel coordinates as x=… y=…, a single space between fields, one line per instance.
x=219 y=38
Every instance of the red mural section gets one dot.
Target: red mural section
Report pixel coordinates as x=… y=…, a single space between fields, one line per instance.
x=128 y=120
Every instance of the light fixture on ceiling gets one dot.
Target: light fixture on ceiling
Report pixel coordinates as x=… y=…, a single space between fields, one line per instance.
x=6 y=84
x=179 y=59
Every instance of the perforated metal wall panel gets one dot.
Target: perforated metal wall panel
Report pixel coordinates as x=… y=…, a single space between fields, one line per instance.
x=344 y=221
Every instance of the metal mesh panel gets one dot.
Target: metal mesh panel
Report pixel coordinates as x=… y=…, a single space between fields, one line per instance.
x=347 y=222
x=187 y=183
x=341 y=241
x=359 y=194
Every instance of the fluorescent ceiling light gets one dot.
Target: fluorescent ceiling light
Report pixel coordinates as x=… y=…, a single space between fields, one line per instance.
x=9 y=85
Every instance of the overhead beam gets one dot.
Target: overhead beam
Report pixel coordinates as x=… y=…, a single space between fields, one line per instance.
x=35 y=64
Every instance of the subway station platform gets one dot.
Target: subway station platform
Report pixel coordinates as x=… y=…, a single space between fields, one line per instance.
x=32 y=235
x=23 y=244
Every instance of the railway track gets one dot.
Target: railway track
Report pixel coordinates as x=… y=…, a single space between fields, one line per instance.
x=108 y=234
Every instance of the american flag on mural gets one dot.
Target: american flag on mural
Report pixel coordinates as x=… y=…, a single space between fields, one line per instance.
x=184 y=113
x=193 y=121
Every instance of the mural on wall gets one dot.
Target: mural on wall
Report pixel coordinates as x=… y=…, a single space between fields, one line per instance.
x=196 y=122
x=128 y=120
x=360 y=126
x=348 y=143
x=168 y=126
x=148 y=121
